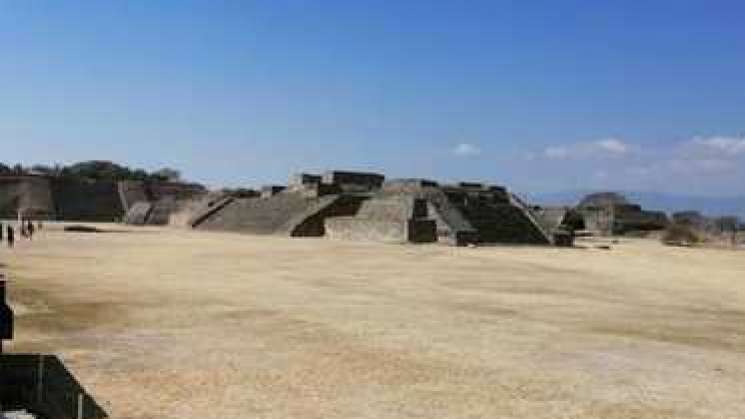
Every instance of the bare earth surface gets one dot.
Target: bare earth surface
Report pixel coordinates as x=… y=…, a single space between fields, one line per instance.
x=160 y=323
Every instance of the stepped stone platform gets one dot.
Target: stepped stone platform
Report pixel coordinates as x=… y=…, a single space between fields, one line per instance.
x=610 y=213
x=299 y=209
x=420 y=210
x=288 y=213
x=363 y=206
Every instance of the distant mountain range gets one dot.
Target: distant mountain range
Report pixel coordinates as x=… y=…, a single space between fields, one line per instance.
x=712 y=206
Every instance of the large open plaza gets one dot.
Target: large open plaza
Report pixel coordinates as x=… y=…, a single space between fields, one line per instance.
x=169 y=323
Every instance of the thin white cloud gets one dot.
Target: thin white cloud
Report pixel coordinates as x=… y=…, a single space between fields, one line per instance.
x=702 y=164
x=729 y=146
x=466 y=150
x=608 y=147
x=613 y=146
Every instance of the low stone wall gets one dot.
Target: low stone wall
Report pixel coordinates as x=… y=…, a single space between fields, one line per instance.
x=352 y=228
x=383 y=231
x=42 y=384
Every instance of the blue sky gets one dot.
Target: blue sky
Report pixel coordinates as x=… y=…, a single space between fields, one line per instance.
x=540 y=95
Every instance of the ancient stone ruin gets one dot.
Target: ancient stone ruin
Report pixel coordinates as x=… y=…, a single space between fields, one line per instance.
x=29 y=195
x=155 y=203
x=337 y=204
x=363 y=206
x=610 y=213
x=417 y=210
x=297 y=210
x=38 y=385
x=561 y=222
x=83 y=200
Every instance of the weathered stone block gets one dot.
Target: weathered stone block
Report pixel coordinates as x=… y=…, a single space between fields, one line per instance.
x=269 y=191
x=346 y=179
x=299 y=179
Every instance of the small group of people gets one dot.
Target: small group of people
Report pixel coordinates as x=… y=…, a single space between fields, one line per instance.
x=27 y=230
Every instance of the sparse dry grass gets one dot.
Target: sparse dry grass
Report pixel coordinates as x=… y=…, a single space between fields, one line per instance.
x=175 y=324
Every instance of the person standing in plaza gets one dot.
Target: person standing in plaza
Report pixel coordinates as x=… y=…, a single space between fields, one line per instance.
x=11 y=236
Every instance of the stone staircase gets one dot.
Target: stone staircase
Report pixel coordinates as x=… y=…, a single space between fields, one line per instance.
x=387 y=218
x=504 y=223
x=287 y=213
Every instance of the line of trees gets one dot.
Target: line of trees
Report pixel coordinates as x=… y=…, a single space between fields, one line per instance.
x=93 y=170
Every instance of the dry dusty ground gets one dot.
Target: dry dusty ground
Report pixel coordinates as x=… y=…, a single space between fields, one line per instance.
x=172 y=324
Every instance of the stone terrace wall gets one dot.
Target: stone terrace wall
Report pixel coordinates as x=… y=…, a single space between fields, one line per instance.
x=87 y=201
x=388 y=218
x=353 y=181
x=164 y=200
x=380 y=230
x=25 y=192
x=312 y=223
x=179 y=191
x=362 y=229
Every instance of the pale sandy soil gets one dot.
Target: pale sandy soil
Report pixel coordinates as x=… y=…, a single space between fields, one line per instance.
x=174 y=324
